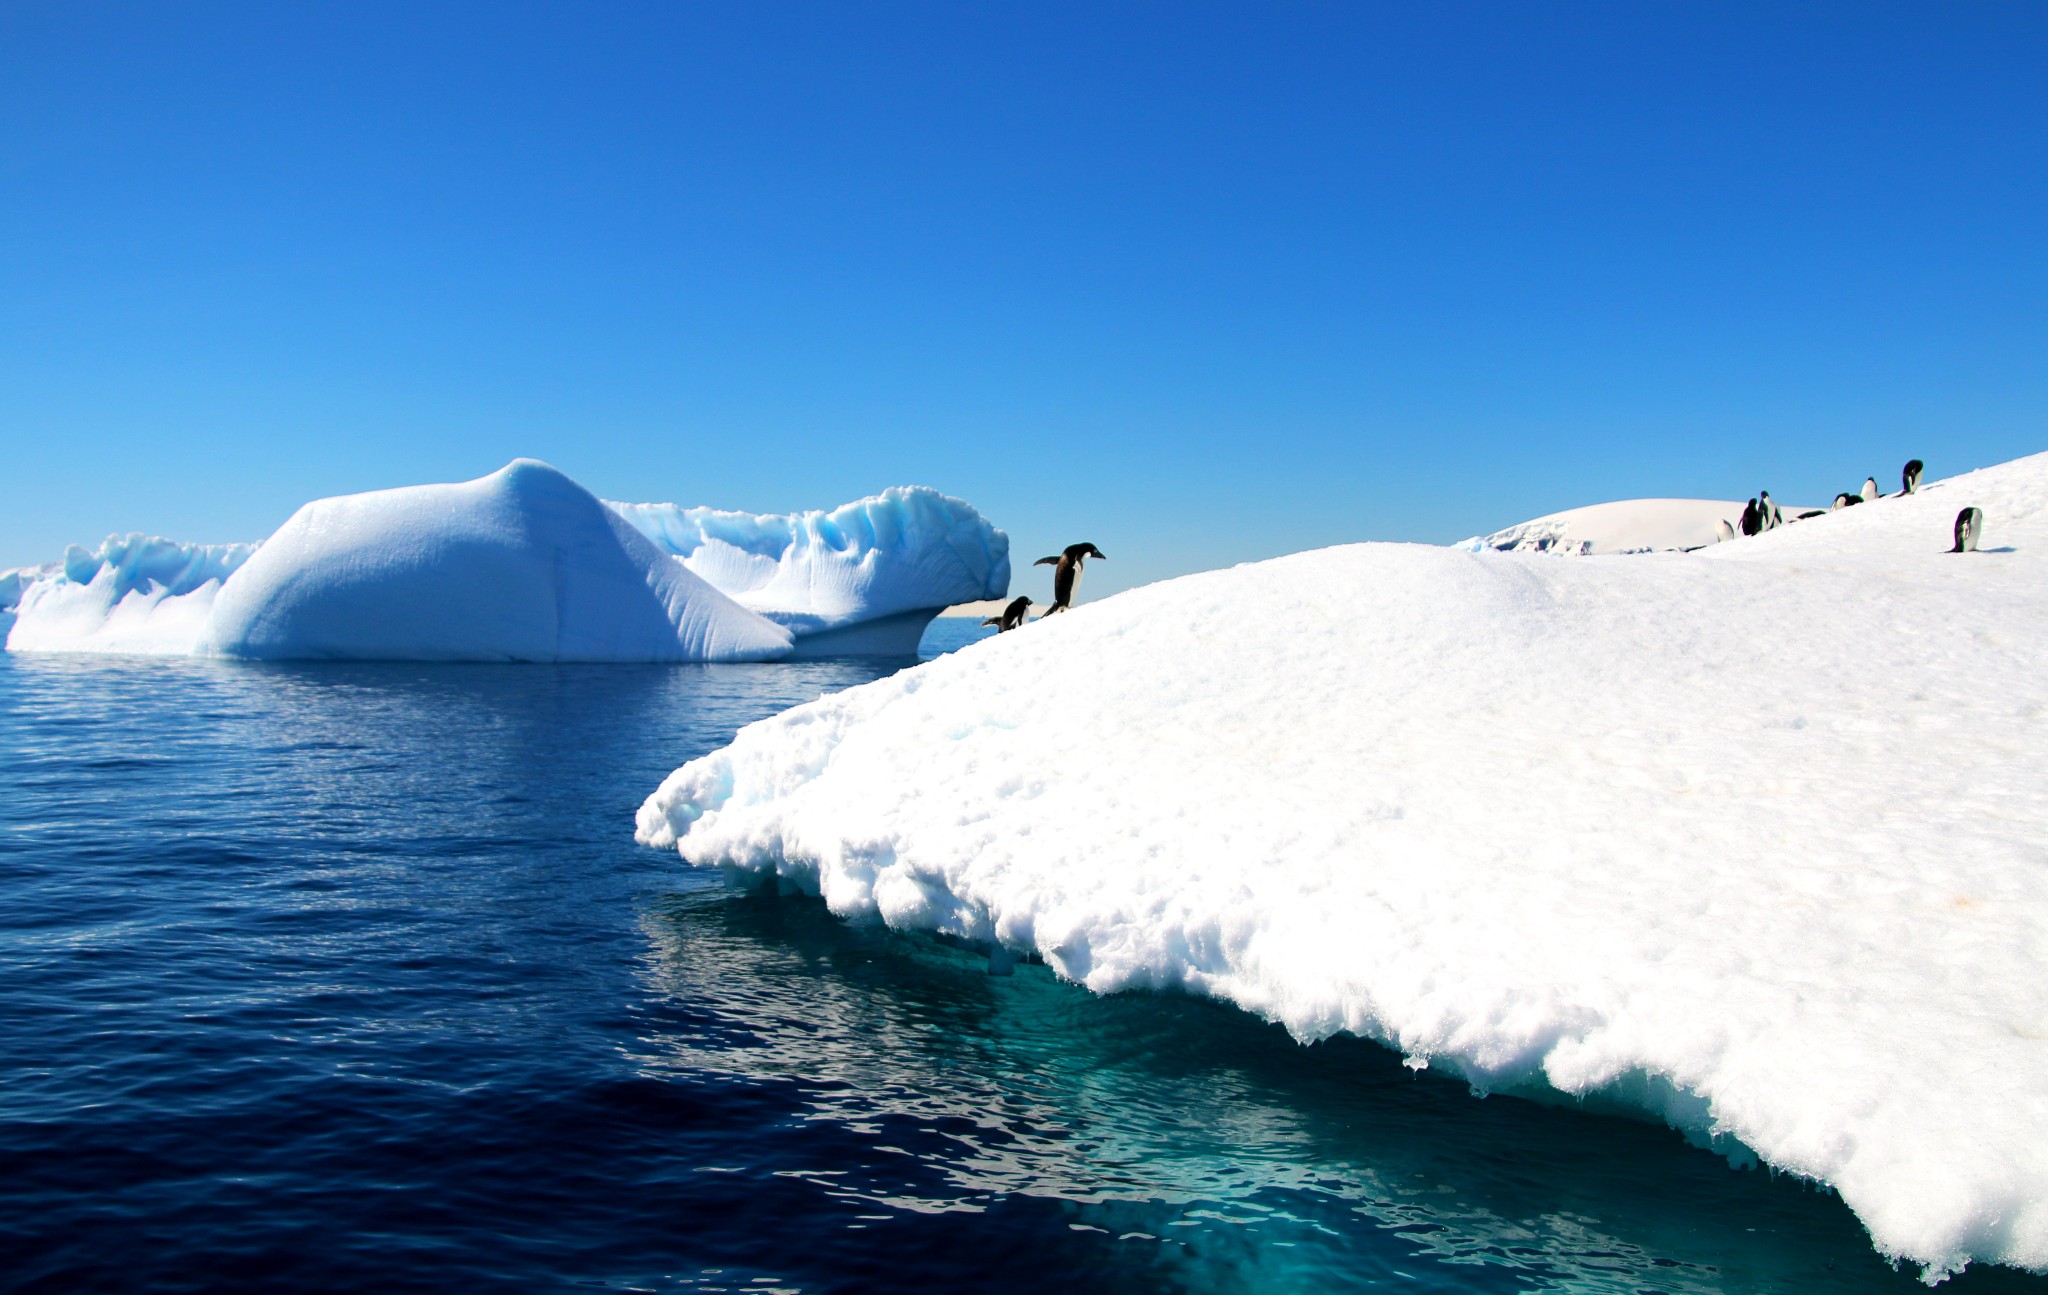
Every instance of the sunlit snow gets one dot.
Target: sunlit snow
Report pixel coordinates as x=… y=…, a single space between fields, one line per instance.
x=1754 y=839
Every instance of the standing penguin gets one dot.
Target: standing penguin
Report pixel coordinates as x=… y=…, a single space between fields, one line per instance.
x=1772 y=518
x=1066 y=574
x=1012 y=616
x=1969 y=525
x=1723 y=532
x=1752 y=520
x=1909 y=480
x=1870 y=490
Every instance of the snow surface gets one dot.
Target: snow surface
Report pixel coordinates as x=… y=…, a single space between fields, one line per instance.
x=521 y=565
x=907 y=550
x=1750 y=839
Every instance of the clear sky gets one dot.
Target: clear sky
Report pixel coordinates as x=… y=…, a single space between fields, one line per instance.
x=1200 y=283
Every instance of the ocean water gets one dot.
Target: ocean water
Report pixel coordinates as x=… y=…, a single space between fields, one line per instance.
x=350 y=977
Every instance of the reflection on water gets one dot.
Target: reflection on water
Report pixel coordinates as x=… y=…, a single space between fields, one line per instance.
x=1190 y=1134
x=349 y=977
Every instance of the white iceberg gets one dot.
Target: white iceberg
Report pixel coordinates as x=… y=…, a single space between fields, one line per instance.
x=862 y=579
x=1754 y=840
x=522 y=565
x=135 y=594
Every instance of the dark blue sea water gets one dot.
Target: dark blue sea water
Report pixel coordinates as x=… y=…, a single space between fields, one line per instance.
x=350 y=977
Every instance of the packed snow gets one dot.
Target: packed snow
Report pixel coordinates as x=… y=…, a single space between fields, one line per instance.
x=867 y=576
x=522 y=565
x=1750 y=839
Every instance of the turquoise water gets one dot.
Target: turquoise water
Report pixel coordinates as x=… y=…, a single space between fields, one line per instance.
x=350 y=978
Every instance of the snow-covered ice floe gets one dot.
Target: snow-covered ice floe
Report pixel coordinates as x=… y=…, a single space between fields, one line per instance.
x=863 y=579
x=521 y=565
x=1754 y=840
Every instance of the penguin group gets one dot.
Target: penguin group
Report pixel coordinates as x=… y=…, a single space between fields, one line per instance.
x=1909 y=480
x=1761 y=515
x=1066 y=579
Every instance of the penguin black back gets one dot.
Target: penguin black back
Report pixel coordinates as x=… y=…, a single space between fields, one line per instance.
x=1066 y=574
x=1909 y=478
x=1969 y=525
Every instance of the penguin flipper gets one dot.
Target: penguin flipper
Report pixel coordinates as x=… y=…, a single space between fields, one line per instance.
x=1052 y=561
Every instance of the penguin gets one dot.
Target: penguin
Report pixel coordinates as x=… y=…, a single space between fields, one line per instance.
x=1870 y=490
x=1752 y=520
x=1909 y=479
x=1012 y=616
x=1811 y=512
x=1772 y=518
x=1969 y=524
x=1723 y=532
x=1066 y=574
x=1845 y=499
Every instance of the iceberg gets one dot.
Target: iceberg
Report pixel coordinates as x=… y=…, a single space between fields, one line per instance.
x=521 y=565
x=1749 y=840
x=863 y=579
x=135 y=594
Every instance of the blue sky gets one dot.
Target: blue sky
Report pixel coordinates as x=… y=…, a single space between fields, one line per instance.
x=1200 y=283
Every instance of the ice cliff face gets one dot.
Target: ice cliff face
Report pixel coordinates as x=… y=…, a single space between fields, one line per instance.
x=834 y=578
x=523 y=565
x=1752 y=840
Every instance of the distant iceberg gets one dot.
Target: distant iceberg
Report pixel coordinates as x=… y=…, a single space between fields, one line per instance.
x=135 y=594
x=522 y=565
x=1752 y=840
x=863 y=579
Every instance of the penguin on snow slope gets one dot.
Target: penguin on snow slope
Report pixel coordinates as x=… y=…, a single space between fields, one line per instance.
x=1752 y=520
x=1066 y=574
x=1012 y=616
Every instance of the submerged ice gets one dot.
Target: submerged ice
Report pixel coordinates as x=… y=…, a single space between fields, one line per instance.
x=1750 y=839
x=523 y=565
